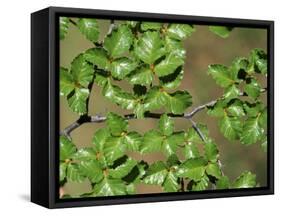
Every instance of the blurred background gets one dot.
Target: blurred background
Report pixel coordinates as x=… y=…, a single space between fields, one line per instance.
x=202 y=48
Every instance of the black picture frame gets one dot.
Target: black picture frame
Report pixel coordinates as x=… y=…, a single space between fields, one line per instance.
x=45 y=107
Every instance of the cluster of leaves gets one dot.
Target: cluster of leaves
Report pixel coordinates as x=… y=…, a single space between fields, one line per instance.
x=150 y=57
x=111 y=172
x=243 y=116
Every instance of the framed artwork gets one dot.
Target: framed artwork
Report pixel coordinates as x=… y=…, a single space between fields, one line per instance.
x=138 y=107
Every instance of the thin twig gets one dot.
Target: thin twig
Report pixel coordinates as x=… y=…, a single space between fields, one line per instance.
x=201 y=135
x=72 y=22
x=182 y=184
x=99 y=119
x=199 y=108
x=111 y=27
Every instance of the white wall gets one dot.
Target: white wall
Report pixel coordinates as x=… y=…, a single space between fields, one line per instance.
x=15 y=105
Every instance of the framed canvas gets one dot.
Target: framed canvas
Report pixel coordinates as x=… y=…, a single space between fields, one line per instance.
x=139 y=107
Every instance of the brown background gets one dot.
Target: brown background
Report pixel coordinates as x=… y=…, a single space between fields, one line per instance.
x=203 y=48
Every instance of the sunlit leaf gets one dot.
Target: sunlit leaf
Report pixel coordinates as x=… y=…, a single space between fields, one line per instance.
x=230 y=127
x=67 y=148
x=119 y=41
x=193 y=169
x=110 y=187
x=245 y=180
x=156 y=173
x=149 y=47
x=64 y=25
x=98 y=57
x=222 y=31
x=90 y=28
x=116 y=124
x=221 y=75
x=180 y=31
x=150 y=26
x=166 y=125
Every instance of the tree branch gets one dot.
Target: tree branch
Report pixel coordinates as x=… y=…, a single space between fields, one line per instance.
x=72 y=22
x=201 y=135
x=99 y=119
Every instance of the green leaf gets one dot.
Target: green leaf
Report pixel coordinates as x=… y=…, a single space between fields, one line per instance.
x=156 y=173
x=74 y=173
x=213 y=169
x=131 y=189
x=253 y=109
x=149 y=47
x=236 y=109
x=258 y=61
x=171 y=182
x=211 y=151
x=82 y=71
x=252 y=88
x=173 y=161
x=67 y=84
x=110 y=187
x=101 y=78
x=123 y=169
x=77 y=102
x=121 y=67
x=139 y=110
x=217 y=110
x=221 y=75
x=166 y=125
x=150 y=26
x=168 y=65
x=116 y=124
x=193 y=169
x=178 y=101
x=251 y=132
x=98 y=57
x=119 y=41
x=85 y=154
x=99 y=138
x=119 y=96
x=173 y=80
x=230 y=127
x=180 y=31
x=175 y=46
x=200 y=185
x=263 y=118
x=169 y=147
x=155 y=99
x=141 y=76
x=89 y=28
x=245 y=180
x=221 y=31
x=63 y=167
x=67 y=148
x=191 y=151
x=223 y=183
x=170 y=144
x=133 y=140
x=152 y=142
x=64 y=25
x=231 y=92
x=92 y=170
x=132 y=24
x=239 y=65
x=114 y=148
